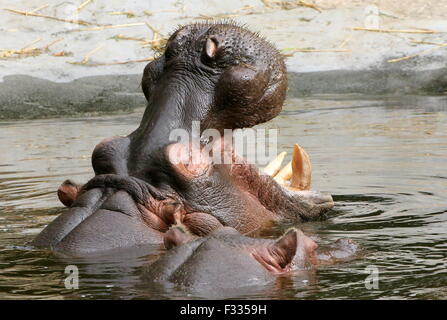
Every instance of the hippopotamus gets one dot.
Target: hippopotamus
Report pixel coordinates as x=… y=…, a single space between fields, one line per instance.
x=224 y=77
x=225 y=259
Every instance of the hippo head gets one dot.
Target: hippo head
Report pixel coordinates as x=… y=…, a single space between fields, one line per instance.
x=226 y=259
x=220 y=74
x=292 y=251
x=224 y=77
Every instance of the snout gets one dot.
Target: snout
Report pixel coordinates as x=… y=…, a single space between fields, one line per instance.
x=316 y=198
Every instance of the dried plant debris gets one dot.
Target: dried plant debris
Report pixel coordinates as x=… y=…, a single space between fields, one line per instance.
x=39 y=8
x=128 y=14
x=345 y=41
x=428 y=42
x=244 y=11
x=83 y=5
x=116 y=26
x=88 y=55
x=437 y=46
x=27 y=50
x=288 y=52
x=34 y=14
x=123 y=37
x=156 y=44
x=62 y=54
x=249 y=9
x=424 y=31
x=100 y=64
x=86 y=60
x=288 y=5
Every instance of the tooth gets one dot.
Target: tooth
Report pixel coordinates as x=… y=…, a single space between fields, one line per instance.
x=284 y=174
x=273 y=167
x=301 y=169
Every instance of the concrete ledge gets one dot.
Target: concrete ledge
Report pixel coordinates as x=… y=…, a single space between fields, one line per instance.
x=25 y=97
x=389 y=82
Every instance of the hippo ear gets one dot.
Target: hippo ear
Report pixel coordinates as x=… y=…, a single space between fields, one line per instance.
x=284 y=249
x=278 y=256
x=211 y=47
x=68 y=192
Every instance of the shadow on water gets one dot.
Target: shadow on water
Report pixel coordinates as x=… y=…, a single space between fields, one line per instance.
x=383 y=159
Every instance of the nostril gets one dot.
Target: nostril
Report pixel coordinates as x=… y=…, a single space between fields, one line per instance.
x=321 y=198
x=326 y=198
x=317 y=197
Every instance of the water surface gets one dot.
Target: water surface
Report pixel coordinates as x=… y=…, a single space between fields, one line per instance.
x=383 y=158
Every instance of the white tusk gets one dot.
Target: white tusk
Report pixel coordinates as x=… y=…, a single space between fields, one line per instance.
x=284 y=174
x=301 y=169
x=275 y=165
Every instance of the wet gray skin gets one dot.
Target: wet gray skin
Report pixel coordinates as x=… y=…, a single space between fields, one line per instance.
x=226 y=260
x=222 y=75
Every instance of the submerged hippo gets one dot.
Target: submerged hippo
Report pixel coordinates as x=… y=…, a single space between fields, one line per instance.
x=226 y=259
x=225 y=77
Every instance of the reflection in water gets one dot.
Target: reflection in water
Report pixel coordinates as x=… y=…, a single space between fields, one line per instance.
x=384 y=160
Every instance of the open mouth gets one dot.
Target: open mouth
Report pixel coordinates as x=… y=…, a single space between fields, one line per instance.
x=116 y=210
x=240 y=195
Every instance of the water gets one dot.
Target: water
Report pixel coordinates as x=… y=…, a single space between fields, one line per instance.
x=383 y=159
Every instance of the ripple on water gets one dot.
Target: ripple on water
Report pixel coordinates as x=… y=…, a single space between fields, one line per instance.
x=383 y=159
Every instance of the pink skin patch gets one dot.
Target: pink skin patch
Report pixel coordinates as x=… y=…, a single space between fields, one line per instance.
x=283 y=255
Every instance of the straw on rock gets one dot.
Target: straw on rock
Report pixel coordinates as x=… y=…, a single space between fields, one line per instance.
x=86 y=59
x=113 y=63
x=87 y=56
x=438 y=46
x=83 y=5
x=123 y=37
x=345 y=41
x=129 y=14
x=110 y=26
x=423 y=31
x=428 y=42
x=288 y=5
x=288 y=52
x=27 y=51
x=34 y=14
x=39 y=8
x=243 y=11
